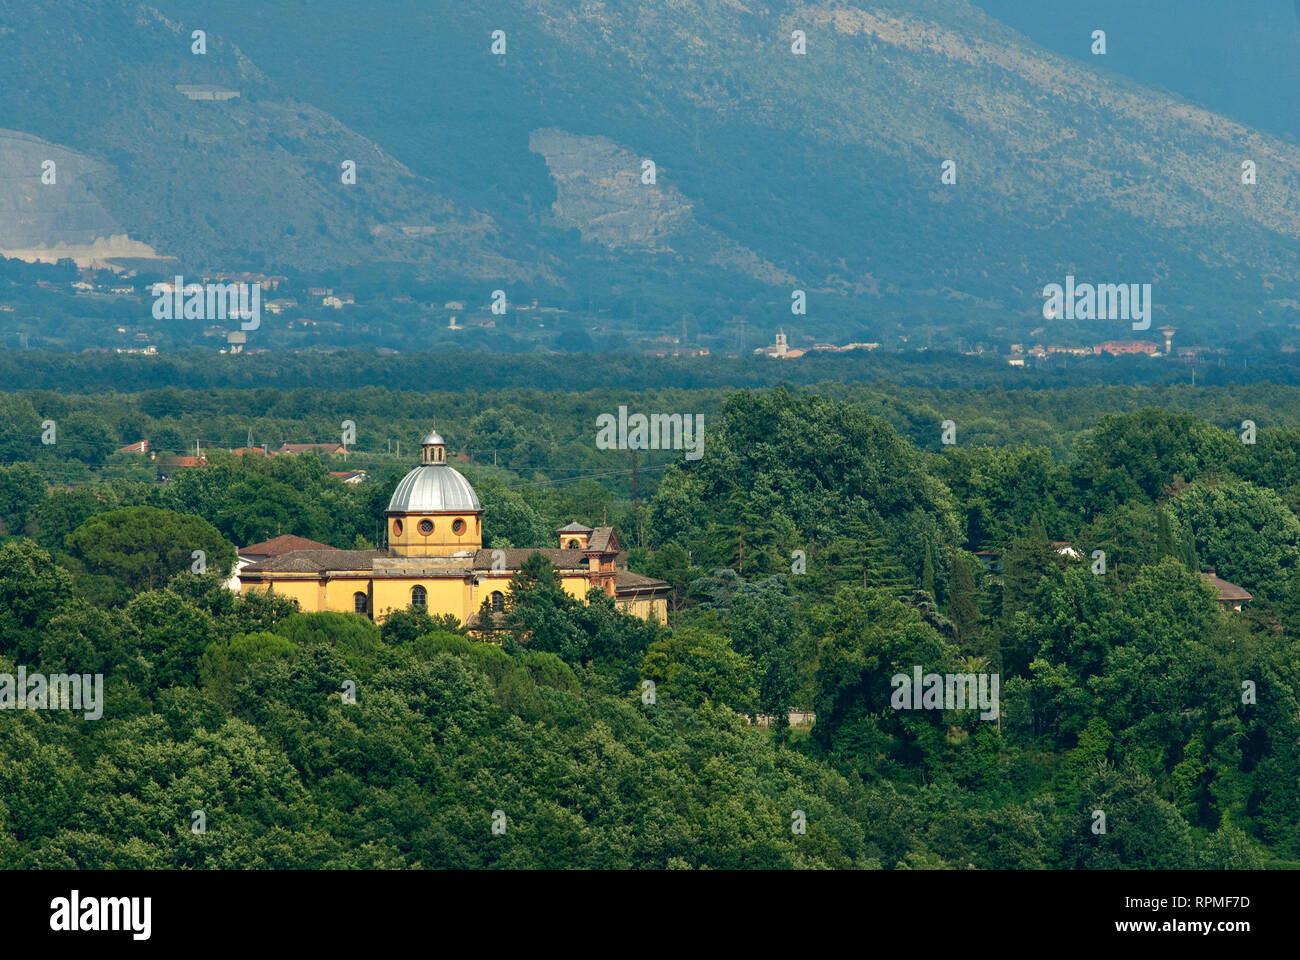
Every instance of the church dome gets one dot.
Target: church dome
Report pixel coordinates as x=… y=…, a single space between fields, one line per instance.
x=434 y=489
x=433 y=486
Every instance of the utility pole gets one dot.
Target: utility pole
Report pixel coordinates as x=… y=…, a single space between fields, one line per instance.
x=636 y=481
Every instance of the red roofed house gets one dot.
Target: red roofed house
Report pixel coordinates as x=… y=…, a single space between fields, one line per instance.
x=278 y=546
x=322 y=448
x=1230 y=596
x=176 y=463
x=275 y=547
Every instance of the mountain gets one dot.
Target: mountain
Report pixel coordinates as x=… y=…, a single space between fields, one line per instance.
x=773 y=170
x=199 y=156
x=1241 y=59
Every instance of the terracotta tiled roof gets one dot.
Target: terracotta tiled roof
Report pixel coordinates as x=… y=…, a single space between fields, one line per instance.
x=603 y=540
x=514 y=558
x=285 y=543
x=1225 y=590
x=316 y=561
x=627 y=582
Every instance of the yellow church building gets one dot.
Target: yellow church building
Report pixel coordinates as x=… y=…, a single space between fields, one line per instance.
x=435 y=558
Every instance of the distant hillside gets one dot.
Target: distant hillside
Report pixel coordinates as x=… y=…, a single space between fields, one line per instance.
x=1241 y=59
x=252 y=180
x=773 y=170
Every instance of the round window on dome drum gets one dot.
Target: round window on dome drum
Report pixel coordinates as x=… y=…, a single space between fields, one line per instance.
x=426 y=527
x=458 y=527
x=397 y=528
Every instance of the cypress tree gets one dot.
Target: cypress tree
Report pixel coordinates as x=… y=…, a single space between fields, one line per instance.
x=1290 y=605
x=964 y=610
x=1187 y=551
x=1026 y=562
x=1165 y=545
x=1037 y=532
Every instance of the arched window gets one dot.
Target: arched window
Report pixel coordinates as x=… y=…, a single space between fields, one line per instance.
x=574 y=545
x=359 y=603
x=419 y=596
x=498 y=601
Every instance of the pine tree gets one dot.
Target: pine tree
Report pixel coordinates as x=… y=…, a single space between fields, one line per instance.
x=863 y=557
x=746 y=544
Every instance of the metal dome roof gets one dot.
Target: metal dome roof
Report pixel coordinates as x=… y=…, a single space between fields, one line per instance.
x=433 y=437
x=434 y=488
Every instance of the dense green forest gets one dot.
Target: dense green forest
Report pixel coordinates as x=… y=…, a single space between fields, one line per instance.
x=464 y=369
x=825 y=541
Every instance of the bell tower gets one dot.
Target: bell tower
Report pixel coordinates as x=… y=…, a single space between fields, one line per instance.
x=433 y=449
